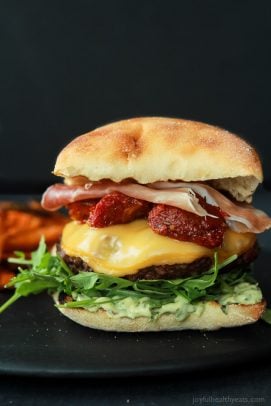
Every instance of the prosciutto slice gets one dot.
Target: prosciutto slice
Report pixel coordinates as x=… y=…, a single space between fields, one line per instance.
x=239 y=217
x=60 y=195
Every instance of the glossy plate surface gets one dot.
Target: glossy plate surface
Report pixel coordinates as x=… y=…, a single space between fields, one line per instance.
x=35 y=339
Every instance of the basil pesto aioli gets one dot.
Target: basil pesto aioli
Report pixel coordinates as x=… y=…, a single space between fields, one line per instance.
x=242 y=293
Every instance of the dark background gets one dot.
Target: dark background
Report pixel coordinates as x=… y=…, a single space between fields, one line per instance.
x=69 y=66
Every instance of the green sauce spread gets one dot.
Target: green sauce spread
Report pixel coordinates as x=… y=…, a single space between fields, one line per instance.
x=242 y=293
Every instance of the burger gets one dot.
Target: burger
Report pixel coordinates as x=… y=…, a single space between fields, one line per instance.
x=162 y=230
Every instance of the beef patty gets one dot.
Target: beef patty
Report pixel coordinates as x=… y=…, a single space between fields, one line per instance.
x=174 y=271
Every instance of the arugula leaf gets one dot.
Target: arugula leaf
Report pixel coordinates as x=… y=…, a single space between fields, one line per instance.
x=85 y=280
x=267 y=316
x=38 y=255
x=10 y=301
x=44 y=272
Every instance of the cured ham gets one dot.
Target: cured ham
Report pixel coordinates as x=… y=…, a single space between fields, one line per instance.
x=60 y=195
x=239 y=217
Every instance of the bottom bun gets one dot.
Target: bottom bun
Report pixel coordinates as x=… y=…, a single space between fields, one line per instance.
x=212 y=318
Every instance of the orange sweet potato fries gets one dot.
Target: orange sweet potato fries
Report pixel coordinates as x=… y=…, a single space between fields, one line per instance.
x=21 y=227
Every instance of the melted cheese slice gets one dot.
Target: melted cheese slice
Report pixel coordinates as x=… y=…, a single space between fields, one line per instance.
x=124 y=249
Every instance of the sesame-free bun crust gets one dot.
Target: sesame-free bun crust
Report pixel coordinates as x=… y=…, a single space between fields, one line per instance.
x=150 y=149
x=212 y=318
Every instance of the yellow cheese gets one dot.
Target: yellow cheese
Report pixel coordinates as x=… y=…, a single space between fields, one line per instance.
x=124 y=249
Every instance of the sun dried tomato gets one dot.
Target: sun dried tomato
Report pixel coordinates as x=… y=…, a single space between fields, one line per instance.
x=81 y=210
x=117 y=208
x=185 y=226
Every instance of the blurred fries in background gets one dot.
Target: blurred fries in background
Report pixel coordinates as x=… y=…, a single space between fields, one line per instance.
x=21 y=227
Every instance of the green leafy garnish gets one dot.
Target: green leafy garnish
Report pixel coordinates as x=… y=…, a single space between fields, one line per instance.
x=267 y=316
x=45 y=272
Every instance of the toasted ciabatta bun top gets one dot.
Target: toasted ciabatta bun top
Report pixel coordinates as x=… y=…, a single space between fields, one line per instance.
x=150 y=149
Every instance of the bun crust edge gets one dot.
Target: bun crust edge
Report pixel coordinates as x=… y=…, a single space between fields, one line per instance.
x=150 y=149
x=212 y=318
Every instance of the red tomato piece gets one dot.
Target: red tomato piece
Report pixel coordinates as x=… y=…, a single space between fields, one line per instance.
x=81 y=210
x=185 y=226
x=117 y=208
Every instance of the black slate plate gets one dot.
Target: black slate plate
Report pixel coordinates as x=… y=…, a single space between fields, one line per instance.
x=35 y=339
